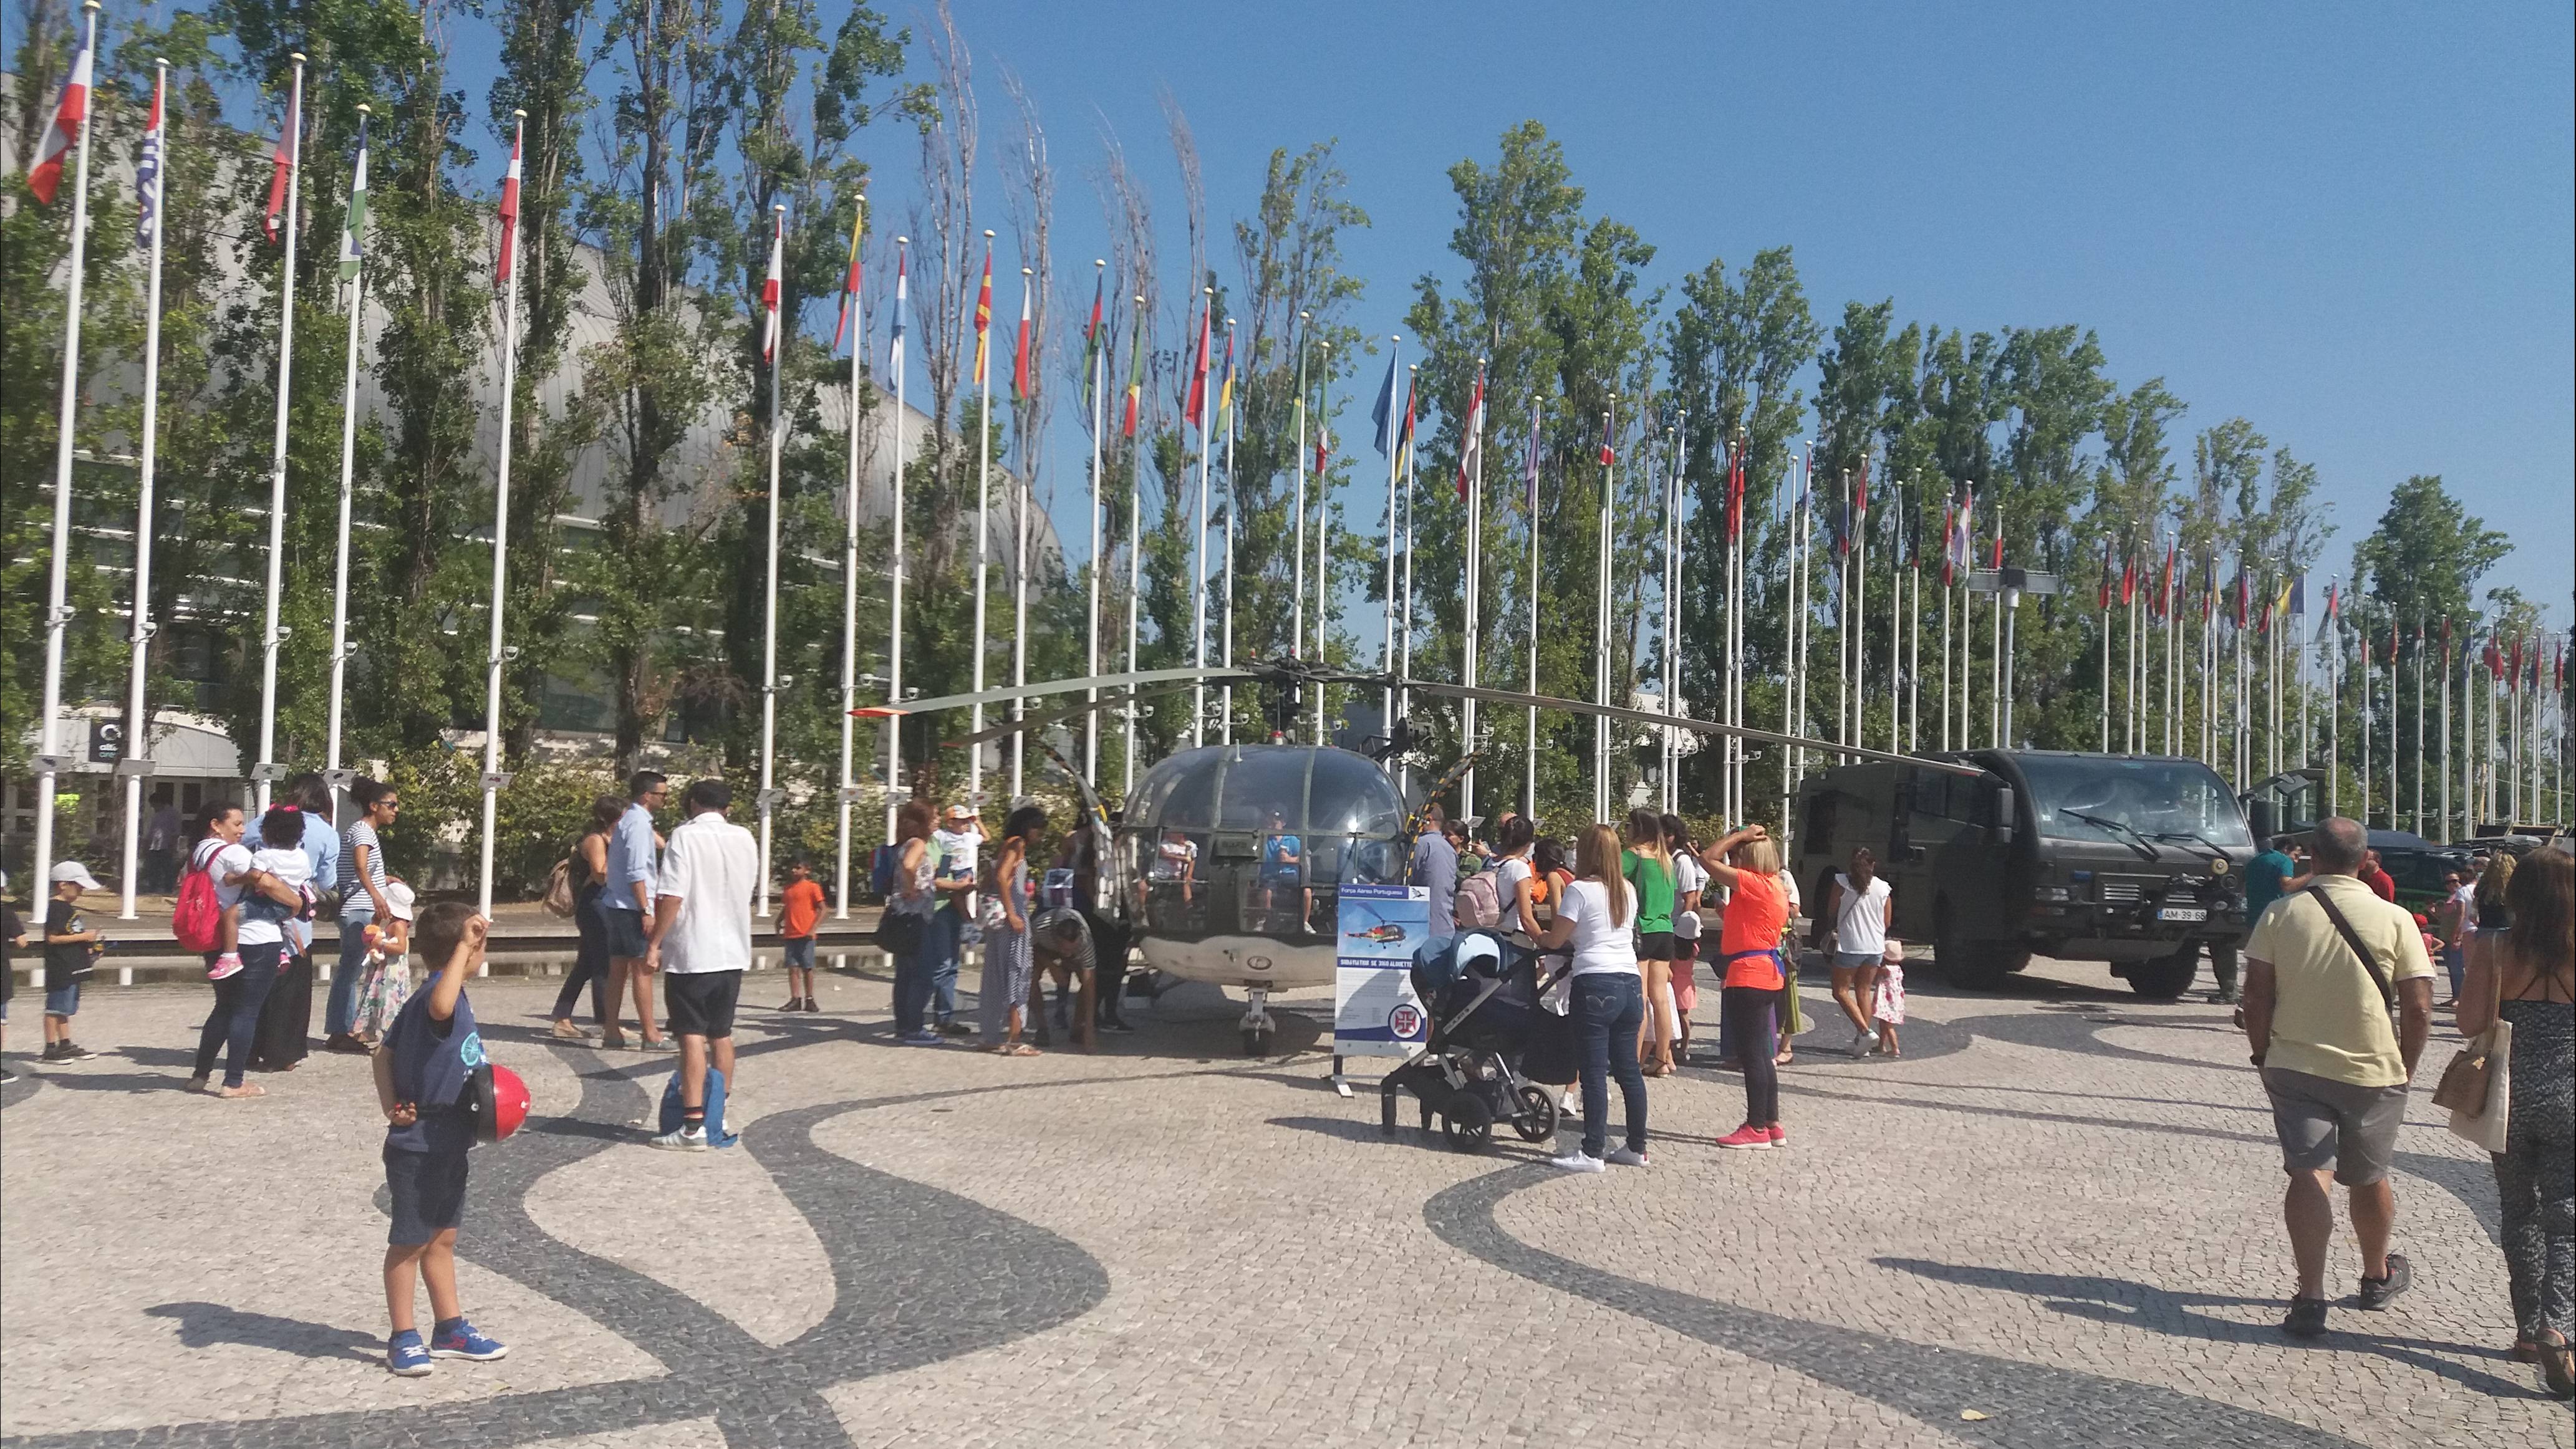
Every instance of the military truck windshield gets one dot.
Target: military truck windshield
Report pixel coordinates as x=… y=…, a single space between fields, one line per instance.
x=2171 y=802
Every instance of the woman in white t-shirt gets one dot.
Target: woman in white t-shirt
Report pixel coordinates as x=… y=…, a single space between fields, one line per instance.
x=1609 y=999
x=1855 y=915
x=243 y=975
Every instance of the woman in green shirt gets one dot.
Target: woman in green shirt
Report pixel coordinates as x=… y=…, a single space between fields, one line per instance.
x=1648 y=867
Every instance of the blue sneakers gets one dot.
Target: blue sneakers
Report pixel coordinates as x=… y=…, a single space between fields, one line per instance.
x=405 y=1355
x=920 y=1038
x=457 y=1339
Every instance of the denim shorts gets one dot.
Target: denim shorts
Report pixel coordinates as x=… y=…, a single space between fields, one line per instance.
x=1855 y=960
x=798 y=952
x=63 y=1000
x=626 y=939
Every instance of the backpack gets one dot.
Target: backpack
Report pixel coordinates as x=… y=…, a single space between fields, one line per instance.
x=196 y=922
x=1478 y=902
x=881 y=871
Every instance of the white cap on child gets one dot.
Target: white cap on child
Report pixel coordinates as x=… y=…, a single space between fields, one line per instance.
x=398 y=896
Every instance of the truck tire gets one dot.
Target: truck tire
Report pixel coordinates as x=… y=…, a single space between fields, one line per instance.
x=2166 y=977
x=1972 y=965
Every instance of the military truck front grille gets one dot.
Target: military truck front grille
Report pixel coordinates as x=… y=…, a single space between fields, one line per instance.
x=2122 y=892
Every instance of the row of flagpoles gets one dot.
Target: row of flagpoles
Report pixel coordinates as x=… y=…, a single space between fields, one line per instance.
x=2514 y=755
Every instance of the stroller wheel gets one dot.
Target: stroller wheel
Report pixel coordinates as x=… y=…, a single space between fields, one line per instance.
x=1468 y=1124
x=1536 y=1119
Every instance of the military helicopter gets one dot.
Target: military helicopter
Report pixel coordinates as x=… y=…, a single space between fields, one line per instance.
x=1227 y=862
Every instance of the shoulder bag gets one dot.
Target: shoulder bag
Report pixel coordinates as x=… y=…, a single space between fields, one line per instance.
x=2477 y=1087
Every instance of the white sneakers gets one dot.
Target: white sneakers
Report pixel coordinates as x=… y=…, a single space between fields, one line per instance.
x=1579 y=1161
x=1627 y=1158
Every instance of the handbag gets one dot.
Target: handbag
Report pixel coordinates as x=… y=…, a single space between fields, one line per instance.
x=2484 y=1066
x=898 y=931
x=558 y=896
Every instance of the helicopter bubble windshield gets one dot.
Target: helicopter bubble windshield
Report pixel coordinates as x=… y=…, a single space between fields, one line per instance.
x=1258 y=839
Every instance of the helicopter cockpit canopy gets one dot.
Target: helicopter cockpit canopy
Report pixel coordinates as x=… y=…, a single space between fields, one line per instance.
x=1258 y=839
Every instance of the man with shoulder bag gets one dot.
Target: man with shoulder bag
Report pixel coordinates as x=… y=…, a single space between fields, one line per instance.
x=2338 y=1004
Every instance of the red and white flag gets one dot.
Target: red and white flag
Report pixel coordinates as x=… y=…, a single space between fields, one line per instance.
x=1471 y=451
x=1022 y=382
x=510 y=210
x=850 y=284
x=984 y=320
x=62 y=133
x=769 y=287
x=282 y=161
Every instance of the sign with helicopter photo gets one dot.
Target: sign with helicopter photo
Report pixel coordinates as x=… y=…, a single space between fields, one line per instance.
x=1375 y=1012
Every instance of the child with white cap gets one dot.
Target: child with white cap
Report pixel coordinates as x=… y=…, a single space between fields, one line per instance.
x=71 y=949
x=387 y=983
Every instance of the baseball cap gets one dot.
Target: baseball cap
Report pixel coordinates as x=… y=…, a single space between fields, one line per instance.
x=398 y=896
x=961 y=812
x=73 y=870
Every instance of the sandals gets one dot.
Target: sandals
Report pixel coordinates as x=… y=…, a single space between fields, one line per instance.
x=246 y=1089
x=2558 y=1367
x=1013 y=1049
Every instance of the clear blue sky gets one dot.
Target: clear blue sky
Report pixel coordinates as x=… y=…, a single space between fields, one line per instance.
x=2350 y=224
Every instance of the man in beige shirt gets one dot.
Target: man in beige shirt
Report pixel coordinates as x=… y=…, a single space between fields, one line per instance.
x=2335 y=1066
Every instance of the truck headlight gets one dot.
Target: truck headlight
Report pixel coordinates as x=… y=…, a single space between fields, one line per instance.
x=2055 y=893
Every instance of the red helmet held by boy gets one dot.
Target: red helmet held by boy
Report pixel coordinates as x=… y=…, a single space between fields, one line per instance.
x=500 y=1102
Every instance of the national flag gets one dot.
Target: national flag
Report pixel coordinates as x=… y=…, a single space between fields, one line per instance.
x=147 y=170
x=1135 y=374
x=983 y=319
x=1959 y=548
x=1323 y=440
x=1735 y=487
x=1529 y=465
x=1949 y=526
x=1999 y=542
x=2129 y=579
x=2165 y=591
x=1609 y=454
x=770 y=285
x=1860 y=494
x=1382 y=413
x=510 y=221
x=353 y=227
x=2102 y=591
x=1196 y=410
x=2296 y=593
x=902 y=296
x=1404 y=444
x=2263 y=621
x=1842 y=520
x=2513 y=670
x=1471 y=448
x=2493 y=658
x=2241 y=597
x=2280 y=604
x=849 y=278
x=1092 y=335
x=2334 y=613
x=1023 y=384
x=283 y=161
x=63 y=132
x=1225 y=387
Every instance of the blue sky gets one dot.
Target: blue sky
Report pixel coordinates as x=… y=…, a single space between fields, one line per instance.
x=2349 y=224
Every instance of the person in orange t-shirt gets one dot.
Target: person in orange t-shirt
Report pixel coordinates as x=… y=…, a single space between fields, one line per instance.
x=798 y=908
x=1747 y=864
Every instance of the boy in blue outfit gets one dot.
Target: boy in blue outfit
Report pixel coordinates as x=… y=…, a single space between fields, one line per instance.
x=424 y=1073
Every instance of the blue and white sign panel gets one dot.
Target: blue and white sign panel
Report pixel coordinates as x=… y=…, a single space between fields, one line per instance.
x=1375 y=1013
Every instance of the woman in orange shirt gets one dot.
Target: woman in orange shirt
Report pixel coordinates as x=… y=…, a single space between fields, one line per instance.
x=1747 y=863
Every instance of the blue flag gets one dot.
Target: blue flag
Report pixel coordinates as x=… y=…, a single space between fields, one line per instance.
x=1389 y=422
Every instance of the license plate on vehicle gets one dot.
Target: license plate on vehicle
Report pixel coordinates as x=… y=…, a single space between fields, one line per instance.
x=2182 y=913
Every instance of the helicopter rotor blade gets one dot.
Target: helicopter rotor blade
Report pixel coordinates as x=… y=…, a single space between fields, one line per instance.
x=1007 y=693
x=1010 y=727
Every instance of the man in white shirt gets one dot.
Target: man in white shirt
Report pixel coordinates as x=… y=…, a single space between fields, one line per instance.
x=701 y=943
x=956 y=849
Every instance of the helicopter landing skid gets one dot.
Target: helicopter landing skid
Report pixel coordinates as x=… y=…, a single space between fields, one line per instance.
x=1341 y=1084
x=1259 y=1030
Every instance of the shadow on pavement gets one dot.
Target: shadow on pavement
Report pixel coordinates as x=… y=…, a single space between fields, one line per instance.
x=206 y=1325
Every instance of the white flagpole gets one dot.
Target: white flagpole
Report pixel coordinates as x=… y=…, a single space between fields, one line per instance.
x=1412 y=488
x=1946 y=591
x=1914 y=635
x=270 y=635
x=983 y=518
x=1896 y=627
x=1665 y=755
x=1995 y=705
x=850 y=602
x=138 y=730
x=57 y=613
x=495 y=652
x=769 y=587
x=1601 y=628
x=1297 y=590
x=1234 y=499
x=2364 y=720
x=1789 y=668
x=894 y=576
x=2334 y=715
x=1198 y=548
x=2445 y=797
x=1529 y=756
x=357 y=296
x=2419 y=727
x=1099 y=420
x=1135 y=577
x=1323 y=549
x=1394 y=439
x=1475 y=562
x=1020 y=563
x=1731 y=748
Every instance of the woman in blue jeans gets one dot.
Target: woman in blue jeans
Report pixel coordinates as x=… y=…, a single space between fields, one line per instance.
x=1608 y=1004
x=240 y=993
x=361 y=884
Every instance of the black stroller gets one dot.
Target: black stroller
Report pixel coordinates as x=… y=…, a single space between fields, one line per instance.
x=1482 y=992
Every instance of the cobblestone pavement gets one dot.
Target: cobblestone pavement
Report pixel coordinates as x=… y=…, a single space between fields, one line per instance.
x=2053 y=1221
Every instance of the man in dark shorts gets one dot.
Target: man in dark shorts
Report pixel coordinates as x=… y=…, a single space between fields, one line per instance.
x=424 y=1070
x=626 y=907
x=701 y=943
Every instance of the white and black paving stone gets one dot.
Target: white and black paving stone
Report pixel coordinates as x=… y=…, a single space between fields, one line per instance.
x=2053 y=1222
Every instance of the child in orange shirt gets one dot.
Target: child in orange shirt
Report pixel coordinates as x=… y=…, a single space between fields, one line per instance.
x=798 y=909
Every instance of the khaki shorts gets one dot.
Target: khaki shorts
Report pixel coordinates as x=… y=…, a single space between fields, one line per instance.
x=2330 y=1126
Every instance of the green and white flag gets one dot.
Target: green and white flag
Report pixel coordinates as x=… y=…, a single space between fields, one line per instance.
x=355 y=227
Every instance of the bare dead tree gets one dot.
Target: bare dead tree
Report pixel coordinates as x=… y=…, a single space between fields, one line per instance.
x=1030 y=202
x=1185 y=154
x=943 y=221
